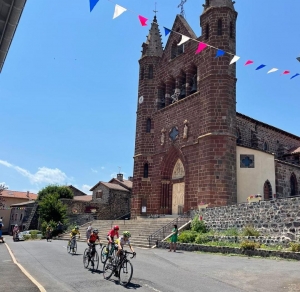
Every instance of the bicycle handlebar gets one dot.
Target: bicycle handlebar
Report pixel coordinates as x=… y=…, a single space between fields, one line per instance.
x=128 y=252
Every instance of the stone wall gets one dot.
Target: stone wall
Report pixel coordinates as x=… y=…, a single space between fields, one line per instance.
x=284 y=172
x=275 y=218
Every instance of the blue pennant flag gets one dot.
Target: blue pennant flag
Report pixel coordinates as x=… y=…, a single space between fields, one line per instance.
x=260 y=67
x=93 y=4
x=295 y=75
x=167 y=31
x=220 y=53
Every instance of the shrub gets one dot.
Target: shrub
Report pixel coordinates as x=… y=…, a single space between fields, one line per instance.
x=249 y=245
x=26 y=236
x=198 y=226
x=187 y=236
x=295 y=247
x=202 y=238
x=231 y=232
x=250 y=231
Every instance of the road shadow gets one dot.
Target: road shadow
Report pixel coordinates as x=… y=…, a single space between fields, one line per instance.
x=129 y=286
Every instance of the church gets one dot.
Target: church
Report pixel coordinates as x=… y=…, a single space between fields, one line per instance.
x=191 y=146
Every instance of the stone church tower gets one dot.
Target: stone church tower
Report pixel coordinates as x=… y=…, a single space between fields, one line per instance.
x=185 y=147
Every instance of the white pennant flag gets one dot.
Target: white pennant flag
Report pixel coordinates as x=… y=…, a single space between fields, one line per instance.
x=234 y=60
x=118 y=11
x=183 y=40
x=273 y=70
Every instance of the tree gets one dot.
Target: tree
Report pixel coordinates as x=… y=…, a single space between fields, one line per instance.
x=51 y=208
x=2 y=200
x=63 y=192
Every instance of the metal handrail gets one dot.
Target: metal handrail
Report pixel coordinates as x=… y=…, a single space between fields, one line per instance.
x=112 y=221
x=160 y=234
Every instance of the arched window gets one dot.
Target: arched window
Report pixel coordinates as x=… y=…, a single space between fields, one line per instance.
x=231 y=30
x=220 y=28
x=16 y=217
x=146 y=170
x=268 y=191
x=21 y=216
x=173 y=51
x=238 y=136
x=266 y=146
x=142 y=73
x=294 y=187
x=150 y=72
x=148 y=126
x=207 y=31
x=161 y=96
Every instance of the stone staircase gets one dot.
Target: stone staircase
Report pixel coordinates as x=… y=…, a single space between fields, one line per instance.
x=140 y=229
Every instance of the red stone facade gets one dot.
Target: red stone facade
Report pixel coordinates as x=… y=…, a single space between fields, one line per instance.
x=208 y=149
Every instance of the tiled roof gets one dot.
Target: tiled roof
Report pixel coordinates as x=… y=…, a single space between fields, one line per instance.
x=295 y=150
x=114 y=187
x=82 y=193
x=19 y=195
x=23 y=204
x=86 y=198
x=126 y=183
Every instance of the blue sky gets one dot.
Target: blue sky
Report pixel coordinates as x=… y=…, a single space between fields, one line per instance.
x=68 y=89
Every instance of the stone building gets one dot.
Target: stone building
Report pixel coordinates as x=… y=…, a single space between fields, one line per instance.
x=191 y=145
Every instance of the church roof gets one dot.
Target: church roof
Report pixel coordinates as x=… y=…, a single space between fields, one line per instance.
x=153 y=44
x=10 y=14
x=267 y=126
x=190 y=31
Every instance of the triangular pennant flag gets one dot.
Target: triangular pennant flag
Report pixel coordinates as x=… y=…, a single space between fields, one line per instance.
x=249 y=62
x=93 y=4
x=183 y=40
x=295 y=75
x=201 y=47
x=220 y=53
x=143 y=20
x=260 y=67
x=118 y=11
x=167 y=31
x=273 y=70
x=286 y=72
x=234 y=60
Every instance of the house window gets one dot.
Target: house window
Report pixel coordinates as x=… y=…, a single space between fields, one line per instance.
x=207 y=31
x=21 y=216
x=16 y=217
x=294 y=187
x=150 y=72
x=146 y=170
x=148 y=126
x=99 y=194
x=246 y=161
x=231 y=30
x=220 y=29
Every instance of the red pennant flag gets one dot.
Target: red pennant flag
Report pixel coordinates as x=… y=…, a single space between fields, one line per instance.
x=201 y=47
x=286 y=72
x=249 y=62
x=143 y=20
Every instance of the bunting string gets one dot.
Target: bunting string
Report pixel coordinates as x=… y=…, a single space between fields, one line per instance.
x=119 y=10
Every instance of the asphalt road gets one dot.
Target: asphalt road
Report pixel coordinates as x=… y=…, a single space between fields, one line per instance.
x=156 y=270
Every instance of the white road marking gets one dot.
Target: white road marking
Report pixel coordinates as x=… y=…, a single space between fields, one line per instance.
x=152 y=288
x=35 y=282
x=6 y=261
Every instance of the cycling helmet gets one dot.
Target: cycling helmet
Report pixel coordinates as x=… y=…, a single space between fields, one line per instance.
x=95 y=231
x=126 y=234
x=76 y=227
x=116 y=227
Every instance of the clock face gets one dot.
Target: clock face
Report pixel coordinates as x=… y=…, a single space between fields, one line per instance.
x=141 y=99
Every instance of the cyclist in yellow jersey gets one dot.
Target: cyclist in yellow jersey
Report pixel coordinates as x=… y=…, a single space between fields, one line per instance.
x=74 y=232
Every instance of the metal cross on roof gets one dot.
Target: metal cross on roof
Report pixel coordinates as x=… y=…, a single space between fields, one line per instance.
x=181 y=6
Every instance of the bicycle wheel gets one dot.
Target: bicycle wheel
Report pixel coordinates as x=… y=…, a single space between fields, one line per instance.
x=86 y=258
x=108 y=269
x=125 y=272
x=75 y=247
x=103 y=254
x=96 y=261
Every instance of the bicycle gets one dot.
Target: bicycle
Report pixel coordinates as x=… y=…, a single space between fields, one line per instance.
x=123 y=269
x=87 y=259
x=72 y=246
x=110 y=254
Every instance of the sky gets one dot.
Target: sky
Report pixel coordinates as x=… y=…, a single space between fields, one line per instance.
x=68 y=88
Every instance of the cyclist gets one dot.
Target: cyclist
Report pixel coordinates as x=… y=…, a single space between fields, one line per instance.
x=74 y=232
x=110 y=236
x=123 y=240
x=91 y=242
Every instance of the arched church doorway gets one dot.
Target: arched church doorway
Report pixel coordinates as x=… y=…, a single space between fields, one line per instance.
x=178 y=188
x=268 y=194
